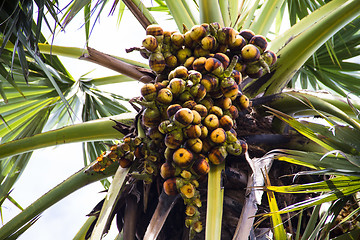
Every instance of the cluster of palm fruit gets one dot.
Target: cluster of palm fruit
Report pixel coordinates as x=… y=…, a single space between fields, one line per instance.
x=190 y=109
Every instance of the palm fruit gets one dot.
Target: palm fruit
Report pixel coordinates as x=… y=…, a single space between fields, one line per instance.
x=150 y=43
x=224 y=103
x=204 y=132
x=207 y=102
x=194 y=76
x=188 y=42
x=238 y=44
x=189 y=62
x=183 y=54
x=234 y=148
x=226 y=35
x=223 y=58
x=169 y=187
x=201 y=109
x=250 y=53
x=244 y=145
x=124 y=162
x=236 y=75
x=157 y=62
x=259 y=41
x=183 y=117
x=197 y=117
x=189 y=104
x=208 y=42
x=254 y=71
x=244 y=101
x=218 y=136
x=234 y=112
x=151 y=117
x=199 y=64
x=165 y=127
x=229 y=88
x=269 y=57
x=164 y=96
x=182 y=157
x=247 y=34
x=198 y=91
x=216 y=110
x=214 y=66
x=174 y=139
x=181 y=72
x=226 y=122
x=197 y=32
x=201 y=165
x=170 y=59
x=192 y=131
x=210 y=82
x=172 y=109
x=194 y=144
x=185 y=96
x=200 y=52
x=177 y=86
x=148 y=91
x=167 y=37
x=155 y=134
x=211 y=121
x=177 y=39
x=156 y=31
x=185 y=174
x=197 y=226
x=217 y=155
x=167 y=170
x=168 y=153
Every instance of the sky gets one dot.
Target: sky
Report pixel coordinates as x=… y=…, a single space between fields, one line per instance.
x=50 y=166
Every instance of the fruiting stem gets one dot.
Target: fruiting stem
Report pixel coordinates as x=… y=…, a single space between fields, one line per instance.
x=231 y=66
x=214 y=202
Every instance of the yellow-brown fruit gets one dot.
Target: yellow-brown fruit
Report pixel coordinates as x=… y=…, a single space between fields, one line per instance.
x=223 y=58
x=244 y=146
x=151 y=117
x=157 y=62
x=198 y=91
x=254 y=71
x=194 y=144
x=259 y=41
x=195 y=76
x=217 y=155
x=197 y=32
x=216 y=110
x=244 y=101
x=124 y=162
x=229 y=87
x=201 y=165
x=154 y=30
x=185 y=96
x=247 y=34
x=201 y=109
x=164 y=127
x=170 y=187
x=250 y=53
x=218 y=136
x=187 y=191
x=188 y=42
x=174 y=139
x=226 y=122
x=207 y=102
x=189 y=104
x=189 y=62
x=148 y=91
x=238 y=44
x=200 y=52
x=164 y=96
x=208 y=43
x=197 y=117
x=211 y=121
x=184 y=117
x=204 y=132
x=167 y=170
x=172 y=109
x=181 y=72
x=214 y=66
x=150 y=43
x=177 y=39
x=237 y=76
x=167 y=37
x=183 y=54
x=170 y=59
x=199 y=64
x=227 y=35
x=210 y=82
x=269 y=57
x=182 y=157
x=234 y=112
x=192 y=131
x=222 y=48
x=177 y=86
x=225 y=103
x=207 y=145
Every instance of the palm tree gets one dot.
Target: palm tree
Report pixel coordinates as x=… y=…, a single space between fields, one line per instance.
x=318 y=52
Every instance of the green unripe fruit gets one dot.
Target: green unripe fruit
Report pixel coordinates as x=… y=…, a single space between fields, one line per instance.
x=185 y=96
x=234 y=148
x=200 y=52
x=195 y=76
x=155 y=134
x=164 y=96
x=207 y=102
x=151 y=117
x=188 y=42
x=227 y=35
x=150 y=43
x=254 y=71
x=183 y=54
x=198 y=91
x=174 y=139
x=269 y=57
x=170 y=60
x=164 y=127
